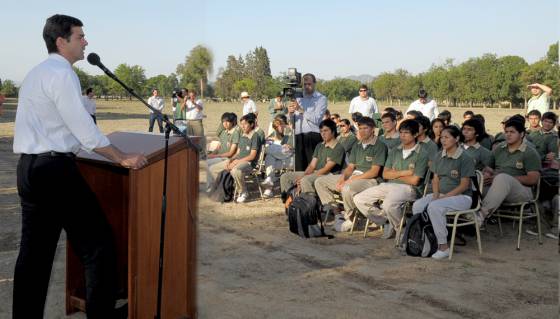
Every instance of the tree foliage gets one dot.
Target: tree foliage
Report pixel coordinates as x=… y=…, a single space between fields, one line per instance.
x=195 y=71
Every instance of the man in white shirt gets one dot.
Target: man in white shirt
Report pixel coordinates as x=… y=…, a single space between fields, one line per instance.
x=428 y=107
x=51 y=126
x=157 y=103
x=89 y=103
x=248 y=105
x=540 y=99
x=193 y=115
x=363 y=103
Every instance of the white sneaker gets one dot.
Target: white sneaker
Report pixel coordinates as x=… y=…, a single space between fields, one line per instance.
x=268 y=193
x=441 y=254
x=242 y=198
x=267 y=182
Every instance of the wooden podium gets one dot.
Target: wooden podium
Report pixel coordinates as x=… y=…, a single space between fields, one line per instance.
x=131 y=200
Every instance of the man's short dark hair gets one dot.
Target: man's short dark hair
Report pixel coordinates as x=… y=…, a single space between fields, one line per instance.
x=356 y=116
x=445 y=115
x=249 y=118
x=517 y=124
x=330 y=124
x=58 y=26
x=390 y=115
x=363 y=87
x=425 y=122
x=309 y=76
x=399 y=115
x=422 y=94
x=336 y=115
x=478 y=126
x=471 y=113
x=409 y=125
x=328 y=113
x=230 y=117
x=534 y=112
x=414 y=113
x=366 y=120
x=89 y=90
x=346 y=121
x=281 y=117
x=550 y=116
x=389 y=109
x=479 y=117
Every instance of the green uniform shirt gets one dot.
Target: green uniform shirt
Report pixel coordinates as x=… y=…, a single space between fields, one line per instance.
x=544 y=142
x=500 y=137
x=480 y=155
x=247 y=143
x=417 y=161
x=429 y=147
x=391 y=141
x=324 y=154
x=228 y=138
x=347 y=141
x=363 y=158
x=517 y=163
x=260 y=133
x=450 y=170
x=487 y=142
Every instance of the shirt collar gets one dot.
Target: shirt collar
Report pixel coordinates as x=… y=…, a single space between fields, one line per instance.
x=521 y=147
x=59 y=58
x=412 y=149
x=332 y=144
x=476 y=145
x=426 y=140
x=456 y=155
x=395 y=135
x=230 y=131
x=250 y=135
x=373 y=141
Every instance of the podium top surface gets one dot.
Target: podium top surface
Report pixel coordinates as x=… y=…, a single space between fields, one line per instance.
x=150 y=144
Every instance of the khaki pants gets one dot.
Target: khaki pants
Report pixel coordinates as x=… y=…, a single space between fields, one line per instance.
x=289 y=178
x=239 y=172
x=326 y=187
x=504 y=188
x=393 y=196
x=437 y=210
x=213 y=167
x=195 y=128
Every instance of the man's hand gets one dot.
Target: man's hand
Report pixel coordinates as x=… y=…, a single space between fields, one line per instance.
x=294 y=106
x=134 y=161
x=340 y=184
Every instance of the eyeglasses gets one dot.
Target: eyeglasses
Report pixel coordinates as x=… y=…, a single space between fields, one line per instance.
x=362 y=90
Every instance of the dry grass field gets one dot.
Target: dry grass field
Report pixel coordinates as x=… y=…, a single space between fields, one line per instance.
x=251 y=266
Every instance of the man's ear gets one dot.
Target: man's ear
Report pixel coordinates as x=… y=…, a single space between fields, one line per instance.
x=60 y=43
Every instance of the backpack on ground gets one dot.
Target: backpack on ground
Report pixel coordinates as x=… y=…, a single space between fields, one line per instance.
x=419 y=237
x=223 y=188
x=304 y=217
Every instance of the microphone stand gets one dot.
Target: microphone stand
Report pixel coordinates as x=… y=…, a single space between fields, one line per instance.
x=168 y=128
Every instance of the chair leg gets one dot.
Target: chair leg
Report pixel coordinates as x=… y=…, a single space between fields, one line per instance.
x=399 y=232
x=366 y=228
x=520 y=227
x=353 y=223
x=454 y=231
x=260 y=187
x=538 y=222
x=500 y=226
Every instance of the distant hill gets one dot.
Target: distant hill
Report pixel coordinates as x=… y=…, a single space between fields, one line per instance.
x=363 y=78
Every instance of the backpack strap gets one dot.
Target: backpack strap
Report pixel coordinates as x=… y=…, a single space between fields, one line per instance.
x=476 y=194
x=323 y=234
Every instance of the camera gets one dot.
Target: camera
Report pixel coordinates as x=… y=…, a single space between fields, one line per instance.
x=293 y=84
x=177 y=93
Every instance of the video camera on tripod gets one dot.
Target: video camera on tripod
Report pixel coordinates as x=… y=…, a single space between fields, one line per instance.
x=293 y=83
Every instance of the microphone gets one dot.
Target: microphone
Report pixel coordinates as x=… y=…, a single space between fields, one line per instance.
x=94 y=59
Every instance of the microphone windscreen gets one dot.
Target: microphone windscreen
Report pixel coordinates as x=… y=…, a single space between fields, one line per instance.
x=94 y=59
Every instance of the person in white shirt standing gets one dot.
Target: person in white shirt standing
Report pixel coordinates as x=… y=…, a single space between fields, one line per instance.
x=157 y=103
x=540 y=99
x=428 y=107
x=248 y=105
x=193 y=115
x=89 y=103
x=51 y=126
x=363 y=103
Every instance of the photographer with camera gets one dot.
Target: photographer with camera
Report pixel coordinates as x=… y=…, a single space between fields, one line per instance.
x=307 y=112
x=179 y=112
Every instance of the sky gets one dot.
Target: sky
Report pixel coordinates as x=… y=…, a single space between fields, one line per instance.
x=327 y=38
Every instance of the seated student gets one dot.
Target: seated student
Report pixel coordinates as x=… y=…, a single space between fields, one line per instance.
x=258 y=130
x=412 y=115
x=355 y=117
x=246 y=158
x=534 y=119
x=467 y=115
x=451 y=184
x=346 y=138
x=471 y=133
x=423 y=139
x=437 y=126
x=365 y=165
x=486 y=139
x=500 y=136
x=279 y=151
x=228 y=141
x=514 y=168
x=336 y=118
x=404 y=171
x=545 y=138
x=390 y=135
x=328 y=158
x=445 y=115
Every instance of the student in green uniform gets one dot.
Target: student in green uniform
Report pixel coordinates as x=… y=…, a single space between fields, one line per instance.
x=404 y=170
x=534 y=119
x=500 y=137
x=471 y=133
x=437 y=126
x=515 y=168
x=247 y=156
x=545 y=139
x=229 y=140
x=390 y=135
x=365 y=166
x=426 y=144
x=452 y=168
x=485 y=139
x=328 y=158
x=346 y=138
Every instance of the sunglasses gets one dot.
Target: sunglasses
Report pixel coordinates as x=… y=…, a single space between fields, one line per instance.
x=362 y=90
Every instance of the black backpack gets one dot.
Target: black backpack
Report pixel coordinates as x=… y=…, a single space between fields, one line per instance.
x=304 y=217
x=223 y=188
x=419 y=237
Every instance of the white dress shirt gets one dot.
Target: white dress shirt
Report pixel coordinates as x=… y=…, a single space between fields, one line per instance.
x=366 y=107
x=429 y=109
x=50 y=115
x=89 y=104
x=156 y=102
x=192 y=113
x=249 y=107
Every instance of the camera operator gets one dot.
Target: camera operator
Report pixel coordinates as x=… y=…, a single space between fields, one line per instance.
x=308 y=112
x=179 y=113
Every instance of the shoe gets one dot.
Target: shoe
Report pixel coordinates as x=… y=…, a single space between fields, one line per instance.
x=531 y=232
x=268 y=193
x=208 y=189
x=376 y=215
x=441 y=254
x=267 y=182
x=242 y=198
x=551 y=235
x=388 y=231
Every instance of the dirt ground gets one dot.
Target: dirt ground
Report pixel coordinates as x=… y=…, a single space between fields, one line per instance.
x=251 y=266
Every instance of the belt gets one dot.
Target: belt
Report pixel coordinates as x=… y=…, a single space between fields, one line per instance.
x=194 y=120
x=53 y=154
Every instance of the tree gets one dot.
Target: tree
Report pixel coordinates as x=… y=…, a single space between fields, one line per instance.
x=133 y=76
x=85 y=79
x=234 y=71
x=194 y=72
x=9 y=89
x=552 y=54
x=257 y=68
x=339 y=89
x=244 y=85
x=509 y=85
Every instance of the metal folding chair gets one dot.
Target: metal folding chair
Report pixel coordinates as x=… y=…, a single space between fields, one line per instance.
x=407 y=209
x=254 y=176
